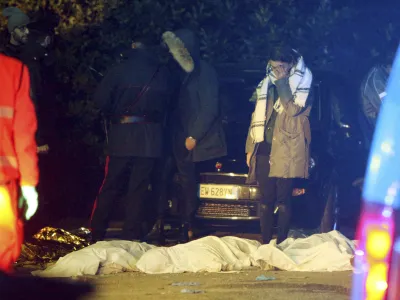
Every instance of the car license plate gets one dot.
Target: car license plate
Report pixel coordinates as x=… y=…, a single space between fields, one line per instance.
x=218 y=191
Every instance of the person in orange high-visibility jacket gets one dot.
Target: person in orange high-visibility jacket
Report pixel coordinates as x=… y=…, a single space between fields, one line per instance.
x=18 y=157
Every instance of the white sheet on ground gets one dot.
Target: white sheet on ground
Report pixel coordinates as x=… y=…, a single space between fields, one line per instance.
x=100 y=258
x=208 y=254
x=320 y=252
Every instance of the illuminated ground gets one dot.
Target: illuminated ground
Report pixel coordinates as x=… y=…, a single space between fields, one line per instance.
x=287 y=285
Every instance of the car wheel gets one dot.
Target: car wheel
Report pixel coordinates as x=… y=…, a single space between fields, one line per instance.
x=330 y=196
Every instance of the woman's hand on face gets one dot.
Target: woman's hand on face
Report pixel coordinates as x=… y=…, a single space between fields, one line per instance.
x=281 y=72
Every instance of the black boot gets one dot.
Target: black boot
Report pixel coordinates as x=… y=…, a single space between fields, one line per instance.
x=185 y=233
x=266 y=223
x=157 y=233
x=283 y=222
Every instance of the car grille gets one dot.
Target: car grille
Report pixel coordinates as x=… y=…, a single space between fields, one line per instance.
x=223 y=178
x=217 y=210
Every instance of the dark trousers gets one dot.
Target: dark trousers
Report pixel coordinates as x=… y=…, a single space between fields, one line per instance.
x=121 y=171
x=188 y=194
x=162 y=181
x=186 y=168
x=275 y=192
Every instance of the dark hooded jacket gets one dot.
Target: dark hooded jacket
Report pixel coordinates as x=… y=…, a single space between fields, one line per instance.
x=116 y=97
x=197 y=113
x=41 y=75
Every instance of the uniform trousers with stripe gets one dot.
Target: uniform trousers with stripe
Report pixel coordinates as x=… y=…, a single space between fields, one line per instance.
x=131 y=174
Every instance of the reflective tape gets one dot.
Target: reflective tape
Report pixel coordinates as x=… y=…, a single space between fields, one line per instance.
x=8 y=161
x=6 y=112
x=382 y=95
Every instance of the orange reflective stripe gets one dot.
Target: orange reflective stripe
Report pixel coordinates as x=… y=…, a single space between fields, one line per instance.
x=8 y=161
x=6 y=112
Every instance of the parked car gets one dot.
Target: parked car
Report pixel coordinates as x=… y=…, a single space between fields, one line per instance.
x=338 y=156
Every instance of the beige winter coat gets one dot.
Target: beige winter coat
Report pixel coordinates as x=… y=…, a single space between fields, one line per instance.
x=291 y=138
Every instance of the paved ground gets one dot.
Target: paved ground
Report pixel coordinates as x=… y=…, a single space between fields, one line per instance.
x=287 y=285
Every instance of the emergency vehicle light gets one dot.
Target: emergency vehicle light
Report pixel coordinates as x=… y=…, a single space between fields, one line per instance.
x=376 y=283
x=378 y=244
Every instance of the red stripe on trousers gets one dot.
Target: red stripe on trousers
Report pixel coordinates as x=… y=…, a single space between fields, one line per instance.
x=101 y=187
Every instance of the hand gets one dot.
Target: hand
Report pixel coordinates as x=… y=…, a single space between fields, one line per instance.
x=31 y=198
x=281 y=72
x=43 y=149
x=190 y=143
x=248 y=158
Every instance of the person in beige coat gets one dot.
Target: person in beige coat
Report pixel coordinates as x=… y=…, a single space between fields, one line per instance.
x=279 y=138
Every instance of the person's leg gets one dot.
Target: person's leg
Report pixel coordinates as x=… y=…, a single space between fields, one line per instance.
x=268 y=191
x=113 y=179
x=160 y=194
x=188 y=199
x=284 y=201
x=11 y=228
x=136 y=195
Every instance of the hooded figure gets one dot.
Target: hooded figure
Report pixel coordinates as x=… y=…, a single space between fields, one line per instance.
x=197 y=128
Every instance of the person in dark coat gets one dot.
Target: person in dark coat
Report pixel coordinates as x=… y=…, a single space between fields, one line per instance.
x=133 y=96
x=197 y=133
x=27 y=43
x=30 y=41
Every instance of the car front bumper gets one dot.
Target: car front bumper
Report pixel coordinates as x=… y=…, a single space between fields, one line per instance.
x=244 y=206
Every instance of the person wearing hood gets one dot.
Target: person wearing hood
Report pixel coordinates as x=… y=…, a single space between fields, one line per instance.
x=133 y=97
x=197 y=133
x=279 y=138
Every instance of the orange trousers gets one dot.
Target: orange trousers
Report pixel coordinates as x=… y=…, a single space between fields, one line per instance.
x=11 y=227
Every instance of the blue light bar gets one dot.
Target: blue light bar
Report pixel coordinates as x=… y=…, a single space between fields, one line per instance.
x=382 y=180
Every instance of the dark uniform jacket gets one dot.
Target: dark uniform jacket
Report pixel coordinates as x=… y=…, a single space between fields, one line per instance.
x=116 y=96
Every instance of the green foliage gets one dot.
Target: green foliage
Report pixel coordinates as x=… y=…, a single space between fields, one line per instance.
x=230 y=31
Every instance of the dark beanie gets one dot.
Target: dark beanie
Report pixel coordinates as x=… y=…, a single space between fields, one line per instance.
x=16 y=18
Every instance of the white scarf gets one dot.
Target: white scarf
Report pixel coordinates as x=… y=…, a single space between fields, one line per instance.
x=300 y=79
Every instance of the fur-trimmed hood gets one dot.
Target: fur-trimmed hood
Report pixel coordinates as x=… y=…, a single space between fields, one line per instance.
x=184 y=47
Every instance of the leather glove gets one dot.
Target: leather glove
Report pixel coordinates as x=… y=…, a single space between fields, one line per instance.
x=30 y=196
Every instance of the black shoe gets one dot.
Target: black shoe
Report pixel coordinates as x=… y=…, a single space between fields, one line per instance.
x=266 y=223
x=157 y=233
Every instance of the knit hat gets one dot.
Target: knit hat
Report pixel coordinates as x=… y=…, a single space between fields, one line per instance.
x=16 y=18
